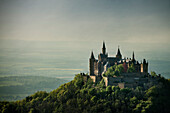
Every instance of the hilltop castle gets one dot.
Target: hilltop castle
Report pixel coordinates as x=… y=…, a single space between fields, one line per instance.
x=99 y=66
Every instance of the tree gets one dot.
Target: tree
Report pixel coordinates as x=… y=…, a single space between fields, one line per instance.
x=115 y=70
x=94 y=99
x=120 y=68
x=101 y=84
x=78 y=81
x=92 y=91
x=133 y=102
x=109 y=89
x=153 y=73
x=131 y=69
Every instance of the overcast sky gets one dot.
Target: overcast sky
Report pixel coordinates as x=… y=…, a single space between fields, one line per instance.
x=126 y=21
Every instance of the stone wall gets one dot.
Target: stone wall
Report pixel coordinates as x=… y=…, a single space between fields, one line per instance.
x=111 y=80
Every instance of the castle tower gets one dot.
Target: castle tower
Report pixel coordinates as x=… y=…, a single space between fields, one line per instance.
x=91 y=64
x=144 y=66
x=133 y=57
x=99 y=66
x=103 y=56
x=119 y=56
x=104 y=48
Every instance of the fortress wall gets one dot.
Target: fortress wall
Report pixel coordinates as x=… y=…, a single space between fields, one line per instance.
x=113 y=80
x=113 y=84
x=129 y=80
x=132 y=74
x=129 y=85
x=143 y=80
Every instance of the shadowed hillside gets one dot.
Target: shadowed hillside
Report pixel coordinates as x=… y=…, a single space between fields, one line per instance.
x=77 y=96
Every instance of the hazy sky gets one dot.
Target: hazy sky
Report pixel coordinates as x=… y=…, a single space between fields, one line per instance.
x=126 y=21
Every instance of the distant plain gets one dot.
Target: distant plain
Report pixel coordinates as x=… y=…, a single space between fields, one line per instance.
x=33 y=66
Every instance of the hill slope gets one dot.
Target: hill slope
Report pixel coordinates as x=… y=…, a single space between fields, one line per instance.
x=77 y=96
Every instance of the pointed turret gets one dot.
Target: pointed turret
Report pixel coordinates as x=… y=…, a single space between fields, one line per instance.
x=144 y=61
x=118 y=54
x=91 y=64
x=104 y=48
x=92 y=55
x=118 y=51
x=133 y=57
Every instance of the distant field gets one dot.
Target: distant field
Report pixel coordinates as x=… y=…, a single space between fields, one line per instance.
x=25 y=70
x=17 y=87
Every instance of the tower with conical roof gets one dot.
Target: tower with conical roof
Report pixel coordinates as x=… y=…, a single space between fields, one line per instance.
x=91 y=64
x=103 y=56
x=133 y=57
x=104 y=48
x=119 y=56
x=92 y=55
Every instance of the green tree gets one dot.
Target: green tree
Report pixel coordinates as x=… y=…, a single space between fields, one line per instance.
x=109 y=89
x=92 y=91
x=120 y=68
x=131 y=69
x=101 y=84
x=115 y=70
x=78 y=81
x=94 y=99
x=153 y=73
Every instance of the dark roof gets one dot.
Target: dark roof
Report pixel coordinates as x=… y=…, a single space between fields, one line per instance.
x=118 y=52
x=104 y=45
x=133 y=57
x=92 y=56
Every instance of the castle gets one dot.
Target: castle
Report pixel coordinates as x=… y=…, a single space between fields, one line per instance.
x=98 y=67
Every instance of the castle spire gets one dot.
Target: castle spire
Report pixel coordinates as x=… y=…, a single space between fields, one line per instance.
x=104 y=48
x=92 y=56
x=144 y=61
x=133 y=57
x=118 y=54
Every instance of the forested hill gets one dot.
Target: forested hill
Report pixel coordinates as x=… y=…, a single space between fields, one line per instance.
x=77 y=96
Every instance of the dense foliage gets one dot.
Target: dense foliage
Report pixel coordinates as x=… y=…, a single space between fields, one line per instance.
x=117 y=70
x=114 y=70
x=77 y=96
x=131 y=69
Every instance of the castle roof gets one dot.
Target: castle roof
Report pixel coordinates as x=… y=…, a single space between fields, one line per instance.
x=104 y=45
x=133 y=57
x=92 y=56
x=118 y=52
